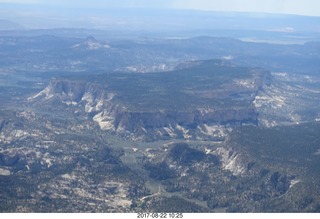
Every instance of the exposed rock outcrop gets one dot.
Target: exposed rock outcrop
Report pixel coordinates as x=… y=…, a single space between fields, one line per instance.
x=141 y=125
x=156 y=106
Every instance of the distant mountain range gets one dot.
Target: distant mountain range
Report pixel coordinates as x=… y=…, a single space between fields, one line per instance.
x=159 y=21
x=139 y=120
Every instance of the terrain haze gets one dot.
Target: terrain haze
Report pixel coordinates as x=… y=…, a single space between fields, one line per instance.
x=159 y=106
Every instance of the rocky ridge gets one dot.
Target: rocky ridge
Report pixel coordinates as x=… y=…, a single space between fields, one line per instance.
x=204 y=122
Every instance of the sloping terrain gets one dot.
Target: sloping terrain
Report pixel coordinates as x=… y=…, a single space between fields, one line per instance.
x=131 y=126
x=256 y=170
x=191 y=103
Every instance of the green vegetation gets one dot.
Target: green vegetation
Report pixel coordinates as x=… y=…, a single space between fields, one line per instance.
x=296 y=145
x=199 y=86
x=54 y=157
x=206 y=84
x=176 y=204
x=281 y=171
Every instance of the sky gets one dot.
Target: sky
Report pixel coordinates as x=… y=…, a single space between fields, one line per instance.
x=299 y=7
x=105 y=14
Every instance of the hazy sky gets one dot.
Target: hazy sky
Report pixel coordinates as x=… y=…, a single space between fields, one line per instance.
x=301 y=7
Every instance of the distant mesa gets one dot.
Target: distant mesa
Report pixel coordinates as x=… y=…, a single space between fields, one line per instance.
x=90 y=43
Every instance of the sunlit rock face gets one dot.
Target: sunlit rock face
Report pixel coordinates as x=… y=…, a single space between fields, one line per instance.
x=177 y=105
